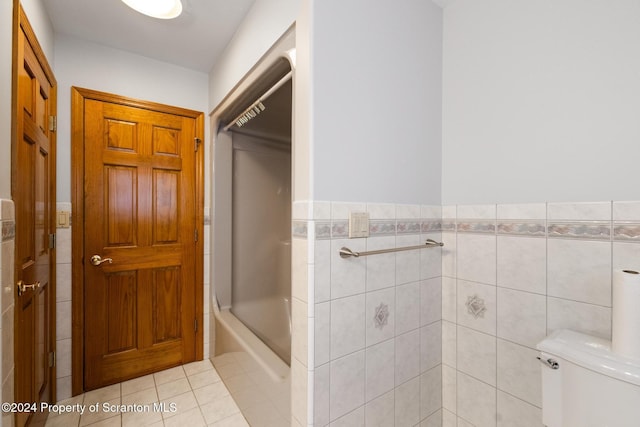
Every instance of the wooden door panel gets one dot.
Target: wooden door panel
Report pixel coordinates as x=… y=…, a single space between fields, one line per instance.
x=167 y=302
x=121 y=135
x=121 y=300
x=42 y=204
x=166 y=199
x=166 y=141
x=139 y=203
x=33 y=190
x=121 y=198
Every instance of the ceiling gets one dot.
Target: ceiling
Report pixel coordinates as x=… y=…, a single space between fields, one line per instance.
x=194 y=40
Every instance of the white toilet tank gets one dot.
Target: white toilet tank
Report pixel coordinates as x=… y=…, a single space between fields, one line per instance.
x=590 y=386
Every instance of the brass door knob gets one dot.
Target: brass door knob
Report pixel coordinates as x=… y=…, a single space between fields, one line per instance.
x=23 y=287
x=97 y=260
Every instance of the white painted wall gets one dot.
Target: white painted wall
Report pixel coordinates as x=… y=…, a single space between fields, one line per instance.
x=541 y=101
x=376 y=108
x=6 y=24
x=264 y=24
x=92 y=66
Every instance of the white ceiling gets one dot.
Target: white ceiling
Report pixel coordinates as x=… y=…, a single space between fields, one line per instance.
x=193 y=40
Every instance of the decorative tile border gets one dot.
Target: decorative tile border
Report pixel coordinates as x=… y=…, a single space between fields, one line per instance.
x=409 y=226
x=382 y=227
x=299 y=229
x=470 y=226
x=8 y=230
x=584 y=230
x=626 y=232
x=431 y=226
x=340 y=229
x=323 y=230
x=448 y=224
x=535 y=229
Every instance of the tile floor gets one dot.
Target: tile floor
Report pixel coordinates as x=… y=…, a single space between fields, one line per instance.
x=194 y=395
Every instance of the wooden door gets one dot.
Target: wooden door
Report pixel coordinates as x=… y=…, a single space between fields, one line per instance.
x=33 y=188
x=141 y=239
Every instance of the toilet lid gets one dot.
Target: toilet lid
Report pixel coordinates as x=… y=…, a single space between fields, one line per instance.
x=591 y=353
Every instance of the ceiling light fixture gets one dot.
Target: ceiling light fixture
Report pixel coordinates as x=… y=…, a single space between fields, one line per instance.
x=161 y=9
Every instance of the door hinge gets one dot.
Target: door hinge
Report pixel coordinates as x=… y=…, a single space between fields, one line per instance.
x=195 y=235
x=53 y=123
x=195 y=325
x=52 y=359
x=52 y=241
x=198 y=141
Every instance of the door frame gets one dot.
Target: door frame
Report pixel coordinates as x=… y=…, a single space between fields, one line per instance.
x=78 y=98
x=21 y=21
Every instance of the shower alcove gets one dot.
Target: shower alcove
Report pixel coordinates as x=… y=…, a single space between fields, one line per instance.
x=251 y=226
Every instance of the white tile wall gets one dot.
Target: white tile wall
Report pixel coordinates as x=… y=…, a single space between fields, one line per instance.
x=476 y=258
x=477 y=354
x=522 y=263
x=407 y=356
x=347 y=325
x=367 y=371
x=407 y=411
x=580 y=271
x=380 y=365
x=407 y=307
x=63 y=307
x=431 y=392
x=381 y=273
x=379 y=412
x=476 y=401
x=531 y=284
x=347 y=383
x=348 y=276
x=7 y=217
x=522 y=317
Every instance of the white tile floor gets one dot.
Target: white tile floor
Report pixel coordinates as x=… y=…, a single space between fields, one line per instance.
x=194 y=395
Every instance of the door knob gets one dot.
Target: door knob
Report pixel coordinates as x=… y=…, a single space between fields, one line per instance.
x=22 y=287
x=97 y=260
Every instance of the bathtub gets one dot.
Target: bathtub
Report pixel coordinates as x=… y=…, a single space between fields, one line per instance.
x=232 y=335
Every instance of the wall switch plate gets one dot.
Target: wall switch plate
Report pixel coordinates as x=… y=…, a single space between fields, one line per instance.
x=62 y=219
x=358 y=224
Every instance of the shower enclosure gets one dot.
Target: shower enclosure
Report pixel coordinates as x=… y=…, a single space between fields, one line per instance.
x=261 y=219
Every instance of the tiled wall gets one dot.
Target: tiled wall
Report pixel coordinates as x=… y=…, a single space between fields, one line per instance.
x=63 y=308
x=7 y=223
x=207 y=282
x=63 y=302
x=372 y=325
x=511 y=275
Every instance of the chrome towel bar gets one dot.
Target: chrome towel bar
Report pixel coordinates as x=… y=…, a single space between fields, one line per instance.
x=346 y=252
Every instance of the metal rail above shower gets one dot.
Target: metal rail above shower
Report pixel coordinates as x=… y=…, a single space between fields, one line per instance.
x=346 y=252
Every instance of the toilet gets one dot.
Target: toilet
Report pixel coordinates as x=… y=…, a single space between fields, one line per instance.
x=585 y=384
